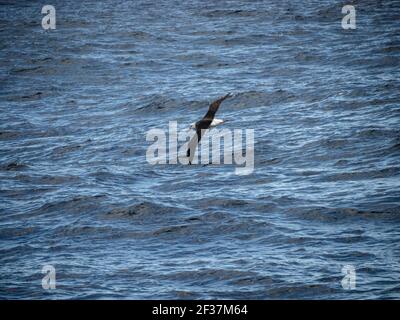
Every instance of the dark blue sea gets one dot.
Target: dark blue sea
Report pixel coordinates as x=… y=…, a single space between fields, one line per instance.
x=76 y=190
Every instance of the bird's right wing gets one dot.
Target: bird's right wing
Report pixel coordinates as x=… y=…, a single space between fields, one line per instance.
x=193 y=143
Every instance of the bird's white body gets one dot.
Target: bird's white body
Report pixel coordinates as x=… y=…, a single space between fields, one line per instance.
x=214 y=123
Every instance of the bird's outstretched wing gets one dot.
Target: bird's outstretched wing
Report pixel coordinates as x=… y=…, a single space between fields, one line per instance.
x=193 y=143
x=212 y=109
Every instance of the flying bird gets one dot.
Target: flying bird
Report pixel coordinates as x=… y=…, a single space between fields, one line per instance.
x=202 y=125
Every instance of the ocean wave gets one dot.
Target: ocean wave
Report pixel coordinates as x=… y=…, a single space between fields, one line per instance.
x=361 y=175
x=141 y=209
x=341 y=214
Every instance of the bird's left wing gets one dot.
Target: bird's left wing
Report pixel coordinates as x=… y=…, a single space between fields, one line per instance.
x=212 y=109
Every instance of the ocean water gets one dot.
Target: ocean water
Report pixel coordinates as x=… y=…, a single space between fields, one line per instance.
x=77 y=192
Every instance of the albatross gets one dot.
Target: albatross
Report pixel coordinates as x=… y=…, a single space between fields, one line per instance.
x=202 y=125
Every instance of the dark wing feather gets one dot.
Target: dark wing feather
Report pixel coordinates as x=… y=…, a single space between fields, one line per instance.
x=193 y=143
x=213 y=108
